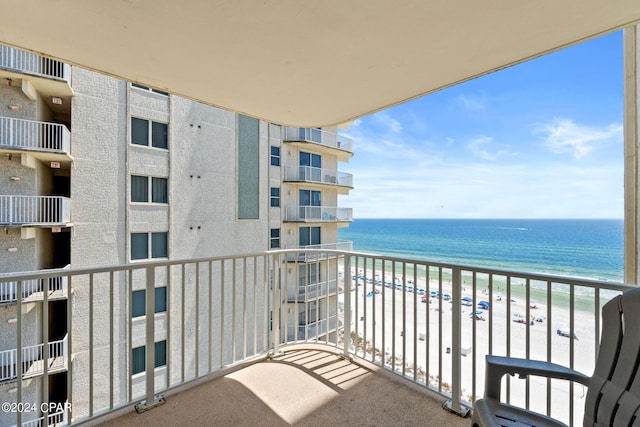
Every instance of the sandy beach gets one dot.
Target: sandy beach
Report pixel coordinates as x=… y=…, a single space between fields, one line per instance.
x=423 y=333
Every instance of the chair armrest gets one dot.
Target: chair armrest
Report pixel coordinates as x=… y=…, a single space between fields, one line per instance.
x=498 y=366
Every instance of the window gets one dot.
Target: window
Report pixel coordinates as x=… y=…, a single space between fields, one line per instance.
x=159 y=191
x=159 y=245
x=160 y=354
x=275 y=197
x=310 y=198
x=309 y=236
x=139 y=355
x=138 y=301
x=275 y=238
x=275 y=156
x=140 y=245
x=149 y=133
x=141 y=186
x=137 y=86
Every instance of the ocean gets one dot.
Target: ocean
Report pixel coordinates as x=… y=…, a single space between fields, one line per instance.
x=588 y=249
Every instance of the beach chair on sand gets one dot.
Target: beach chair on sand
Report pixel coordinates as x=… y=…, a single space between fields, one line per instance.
x=613 y=397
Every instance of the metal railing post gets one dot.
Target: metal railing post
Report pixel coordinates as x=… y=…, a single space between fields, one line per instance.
x=454 y=405
x=346 y=275
x=150 y=300
x=19 y=360
x=275 y=318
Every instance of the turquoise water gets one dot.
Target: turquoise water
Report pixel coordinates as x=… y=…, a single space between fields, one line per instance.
x=591 y=249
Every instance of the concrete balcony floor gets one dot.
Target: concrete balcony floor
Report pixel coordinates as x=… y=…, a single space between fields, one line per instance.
x=307 y=385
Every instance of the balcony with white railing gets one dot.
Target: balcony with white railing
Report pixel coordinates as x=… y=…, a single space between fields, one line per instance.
x=312 y=330
x=34 y=290
x=308 y=174
x=23 y=62
x=231 y=312
x=32 y=361
x=304 y=255
x=42 y=211
x=43 y=140
x=54 y=419
x=341 y=145
x=312 y=291
x=318 y=214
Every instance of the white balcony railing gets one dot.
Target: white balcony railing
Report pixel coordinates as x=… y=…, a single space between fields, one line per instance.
x=318 y=136
x=54 y=419
x=304 y=255
x=32 y=361
x=35 y=210
x=32 y=135
x=306 y=292
x=318 y=214
x=317 y=175
x=312 y=330
x=30 y=63
x=33 y=290
x=223 y=310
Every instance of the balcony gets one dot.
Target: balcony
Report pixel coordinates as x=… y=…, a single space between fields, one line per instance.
x=46 y=141
x=312 y=291
x=318 y=214
x=40 y=211
x=54 y=419
x=304 y=255
x=50 y=77
x=32 y=363
x=310 y=175
x=34 y=290
x=313 y=330
x=228 y=317
x=338 y=144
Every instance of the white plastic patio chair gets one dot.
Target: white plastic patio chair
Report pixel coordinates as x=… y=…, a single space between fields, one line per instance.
x=613 y=398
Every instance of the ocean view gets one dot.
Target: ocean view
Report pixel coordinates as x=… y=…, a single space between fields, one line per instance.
x=591 y=249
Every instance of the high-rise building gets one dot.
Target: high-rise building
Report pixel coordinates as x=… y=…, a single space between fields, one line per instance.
x=97 y=171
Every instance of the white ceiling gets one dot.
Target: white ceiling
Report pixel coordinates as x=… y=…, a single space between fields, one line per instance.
x=305 y=62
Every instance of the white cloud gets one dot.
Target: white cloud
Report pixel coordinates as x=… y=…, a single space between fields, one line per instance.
x=387 y=122
x=565 y=136
x=484 y=148
x=471 y=103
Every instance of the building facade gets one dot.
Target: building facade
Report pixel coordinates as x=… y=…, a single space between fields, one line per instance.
x=100 y=172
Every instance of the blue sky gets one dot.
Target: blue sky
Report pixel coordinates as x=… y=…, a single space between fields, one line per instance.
x=543 y=139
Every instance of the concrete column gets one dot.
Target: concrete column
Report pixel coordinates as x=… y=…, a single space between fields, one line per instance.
x=631 y=147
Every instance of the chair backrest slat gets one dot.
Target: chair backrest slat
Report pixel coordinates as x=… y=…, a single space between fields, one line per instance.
x=614 y=390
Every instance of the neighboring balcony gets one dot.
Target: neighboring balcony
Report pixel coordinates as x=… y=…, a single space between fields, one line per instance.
x=34 y=290
x=51 y=76
x=304 y=292
x=304 y=255
x=318 y=214
x=42 y=211
x=46 y=141
x=313 y=330
x=338 y=144
x=308 y=174
x=33 y=362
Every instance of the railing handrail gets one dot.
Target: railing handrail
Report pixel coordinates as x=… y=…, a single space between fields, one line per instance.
x=31 y=63
x=544 y=277
x=34 y=135
x=315 y=174
x=23 y=209
x=326 y=138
